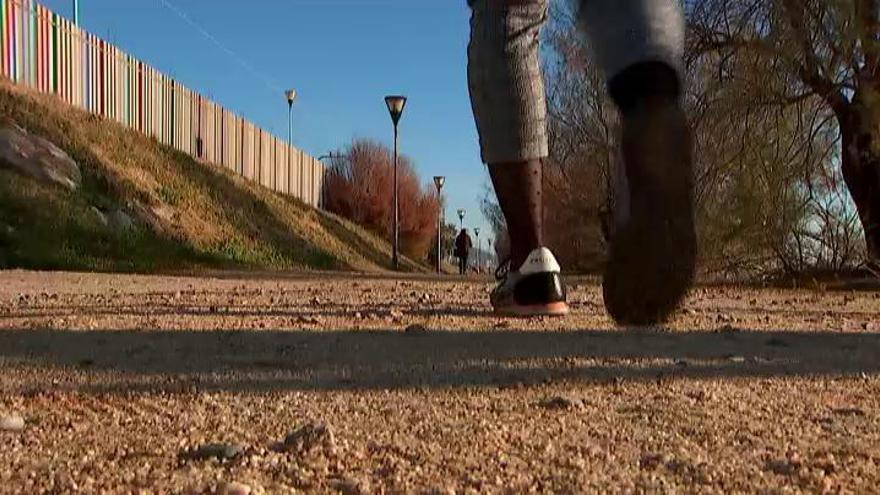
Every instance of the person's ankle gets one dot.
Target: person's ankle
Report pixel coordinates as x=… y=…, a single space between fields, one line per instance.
x=645 y=83
x=520 y=253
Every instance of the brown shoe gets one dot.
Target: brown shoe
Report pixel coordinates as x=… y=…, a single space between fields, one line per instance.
x=653 y=250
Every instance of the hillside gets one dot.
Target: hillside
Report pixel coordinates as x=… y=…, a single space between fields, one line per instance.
x=142 y=206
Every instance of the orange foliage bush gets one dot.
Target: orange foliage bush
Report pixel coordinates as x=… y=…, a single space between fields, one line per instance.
x=358 y=186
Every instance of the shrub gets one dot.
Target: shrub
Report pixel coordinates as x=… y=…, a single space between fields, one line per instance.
x=359 y=186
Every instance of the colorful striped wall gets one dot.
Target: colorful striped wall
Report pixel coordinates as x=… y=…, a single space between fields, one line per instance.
x=47 y=52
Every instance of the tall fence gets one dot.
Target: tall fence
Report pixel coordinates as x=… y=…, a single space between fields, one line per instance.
x=47 y=52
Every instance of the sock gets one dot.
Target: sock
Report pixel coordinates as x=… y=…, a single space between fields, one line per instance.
x=645 y=81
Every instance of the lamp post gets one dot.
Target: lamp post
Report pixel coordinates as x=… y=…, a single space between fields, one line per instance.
x=331 y=156
x=290 y=94
x=395 y=105
x=477 y=233
x=439 y=181
x=461 y=213
x=76 y=12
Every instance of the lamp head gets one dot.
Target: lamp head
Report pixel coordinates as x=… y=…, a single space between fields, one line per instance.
x=396 y=104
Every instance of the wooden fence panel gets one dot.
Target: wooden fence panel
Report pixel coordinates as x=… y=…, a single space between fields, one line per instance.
x=45 y=51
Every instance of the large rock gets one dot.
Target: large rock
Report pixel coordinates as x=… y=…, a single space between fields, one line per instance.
x=120 y=221
x=32 y=156
x=100 y=216
x=310 y=437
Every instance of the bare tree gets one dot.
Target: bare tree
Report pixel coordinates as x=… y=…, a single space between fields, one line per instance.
x=823 y=49
x=770 y=188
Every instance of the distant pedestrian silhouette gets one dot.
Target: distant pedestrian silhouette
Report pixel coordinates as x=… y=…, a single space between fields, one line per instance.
x=463 y=245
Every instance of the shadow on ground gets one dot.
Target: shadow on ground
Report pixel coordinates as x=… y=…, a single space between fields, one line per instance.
x=334 y=360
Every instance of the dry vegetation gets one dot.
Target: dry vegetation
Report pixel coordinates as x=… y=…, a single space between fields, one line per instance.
x=359 y=187
x=783 y=98
x=188 y=214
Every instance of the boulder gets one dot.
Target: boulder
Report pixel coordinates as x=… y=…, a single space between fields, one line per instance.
x=100 y=216
x=35 y=157
x=120 y=221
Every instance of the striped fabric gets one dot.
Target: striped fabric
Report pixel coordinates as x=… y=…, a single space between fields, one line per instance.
x=46 y=52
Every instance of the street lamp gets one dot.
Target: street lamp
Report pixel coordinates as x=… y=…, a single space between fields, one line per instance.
x=461 y=213
x=439 y=181
x=331 y=156
x=477 y=233
x=395 y=105
x=290 y=94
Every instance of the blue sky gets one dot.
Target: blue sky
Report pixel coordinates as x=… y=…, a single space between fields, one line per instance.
x=342 y=56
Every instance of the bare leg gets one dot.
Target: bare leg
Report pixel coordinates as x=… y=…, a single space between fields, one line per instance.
x=519 y=189
x=507 y=92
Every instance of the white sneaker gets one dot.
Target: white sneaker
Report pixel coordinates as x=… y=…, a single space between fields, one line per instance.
x=535 y=289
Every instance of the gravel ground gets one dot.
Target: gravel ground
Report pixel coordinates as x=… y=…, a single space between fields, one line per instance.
x=267 y=384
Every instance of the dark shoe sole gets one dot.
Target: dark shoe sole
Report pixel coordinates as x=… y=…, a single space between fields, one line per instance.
x=652 y=258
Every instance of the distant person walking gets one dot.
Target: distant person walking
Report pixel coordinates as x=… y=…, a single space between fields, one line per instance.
x=463 y=245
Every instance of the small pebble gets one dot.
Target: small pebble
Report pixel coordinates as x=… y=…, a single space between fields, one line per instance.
x=849 y=411
x=416 y=329
x=560 y=402
x=235 y=489
x=12 y=422
x=650 y=461
x=348 y=486
x=220 y=451
x=309 y=437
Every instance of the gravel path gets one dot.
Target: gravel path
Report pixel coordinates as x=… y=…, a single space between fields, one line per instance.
x=327 y=384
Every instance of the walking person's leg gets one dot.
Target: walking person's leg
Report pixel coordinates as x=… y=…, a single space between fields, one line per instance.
x=507 y=94
x=640 y=44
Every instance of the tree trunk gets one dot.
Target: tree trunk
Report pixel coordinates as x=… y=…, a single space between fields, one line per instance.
x=860 y=162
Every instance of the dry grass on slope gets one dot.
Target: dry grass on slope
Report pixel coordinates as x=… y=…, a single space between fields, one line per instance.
x=187 y=214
